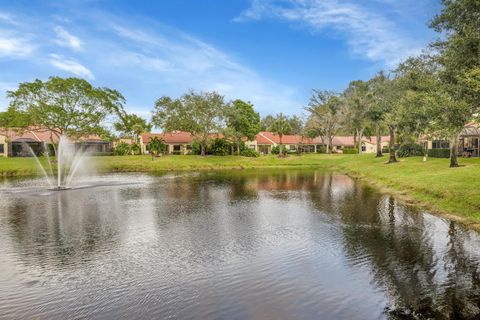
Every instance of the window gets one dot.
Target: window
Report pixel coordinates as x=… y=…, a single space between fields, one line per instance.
x=1 y=148
x=364 y=148
x=440 y=144
x=292 y=147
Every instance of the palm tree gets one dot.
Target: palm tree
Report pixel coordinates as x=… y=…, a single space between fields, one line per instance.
x=280 y=126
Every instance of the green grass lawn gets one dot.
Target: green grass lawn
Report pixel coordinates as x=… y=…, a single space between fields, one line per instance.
x=431 y=184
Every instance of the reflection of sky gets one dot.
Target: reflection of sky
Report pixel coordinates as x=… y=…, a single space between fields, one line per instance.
x=272 y=245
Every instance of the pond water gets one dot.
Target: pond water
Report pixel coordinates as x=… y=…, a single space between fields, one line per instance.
x=234 y=245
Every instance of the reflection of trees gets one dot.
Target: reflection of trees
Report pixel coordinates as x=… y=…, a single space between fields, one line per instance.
x=61 y=230
x=400 y=249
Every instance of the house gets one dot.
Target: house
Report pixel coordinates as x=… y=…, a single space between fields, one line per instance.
x=468 y=144
x=22 y=142
x=368 y=145
x=178 y=142
x=265 y=141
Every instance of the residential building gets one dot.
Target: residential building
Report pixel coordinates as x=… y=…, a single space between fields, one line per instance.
x=22 y=142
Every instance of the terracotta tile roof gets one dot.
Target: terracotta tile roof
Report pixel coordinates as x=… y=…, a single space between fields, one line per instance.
x=169 y=137
x=270 y=138
x=40 y=135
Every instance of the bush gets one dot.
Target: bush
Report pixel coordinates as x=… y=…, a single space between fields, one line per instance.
x=410 y=150
x=135 y=149
x=249 y=153
x=276 y=150
x=350 y=150
x=321 y=149
x=385 y=149
x=439 y=153
x=122 y=149
x=220 y=147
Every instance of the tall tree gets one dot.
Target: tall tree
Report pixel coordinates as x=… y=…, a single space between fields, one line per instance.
x=243 y=122
x=296 y=124
x=378 y=109
x=280 y=126
x=326 y=115
x=358 y=101
x=266 y=122
x=132 y=125
x=201 y=114
x=459 y=49
x=66 y=106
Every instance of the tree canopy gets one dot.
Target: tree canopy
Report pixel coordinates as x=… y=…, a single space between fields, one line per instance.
x=66 y=106
x=201 y=114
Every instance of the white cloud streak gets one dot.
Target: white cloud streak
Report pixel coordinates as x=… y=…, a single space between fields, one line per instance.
x=66 y=39
x=13 y=46
x=187 y=62
x=7 y=18
x=71 y=66
x=367 y=33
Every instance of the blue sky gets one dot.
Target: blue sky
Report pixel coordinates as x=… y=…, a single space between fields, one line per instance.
x=269 y=52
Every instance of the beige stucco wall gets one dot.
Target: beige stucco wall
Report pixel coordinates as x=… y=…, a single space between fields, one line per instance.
x=5 y=146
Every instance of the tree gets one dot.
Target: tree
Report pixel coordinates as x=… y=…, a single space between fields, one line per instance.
x=242 y=122
x=280 y=126
x=296 y=125
x=326 y=115
x=358 y=101
x=266 y=122
x=66 y=106
x=155 y=146
x=386 y=95
x=377 y=111
x=458 y=52
x=132 y=125
x=201 y=114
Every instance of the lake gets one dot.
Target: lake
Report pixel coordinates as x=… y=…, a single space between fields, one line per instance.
x=267 y=244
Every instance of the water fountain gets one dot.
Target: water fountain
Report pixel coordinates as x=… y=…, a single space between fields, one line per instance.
x=70 y=162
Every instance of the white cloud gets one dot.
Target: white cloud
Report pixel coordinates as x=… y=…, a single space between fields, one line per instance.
x=66 y=39
x=7 y=18
x=12 y=46
x=367 y=33
x=71 y=66
x=186 y=62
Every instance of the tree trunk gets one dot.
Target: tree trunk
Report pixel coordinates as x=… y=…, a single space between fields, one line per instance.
x=453 y=152
x=202 y=149
x=392 y=158
x=355 y=138
x=360 y=135
x=238 y=148
x=280 y=152
x=379 y=141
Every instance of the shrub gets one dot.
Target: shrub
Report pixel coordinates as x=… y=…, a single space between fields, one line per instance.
x=276 y=150
x=220 y=147
x=385 y=149
x=350 y=150
x=122 y=149
x=135 y=149
x=249 y=153
x=410 y=150
x=439 y=153
x=321 y=149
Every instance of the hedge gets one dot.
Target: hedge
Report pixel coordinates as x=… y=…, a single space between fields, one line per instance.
x=439 y=153
x=350 y=150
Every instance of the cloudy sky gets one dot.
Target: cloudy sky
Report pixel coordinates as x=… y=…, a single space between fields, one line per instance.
x=270 y=52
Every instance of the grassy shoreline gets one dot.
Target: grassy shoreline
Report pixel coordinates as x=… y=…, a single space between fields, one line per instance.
x=451 y=192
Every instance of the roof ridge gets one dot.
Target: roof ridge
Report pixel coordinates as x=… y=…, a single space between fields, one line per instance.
x=261 y=133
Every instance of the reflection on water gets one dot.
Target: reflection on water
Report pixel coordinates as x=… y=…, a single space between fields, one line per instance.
x=237 y=245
